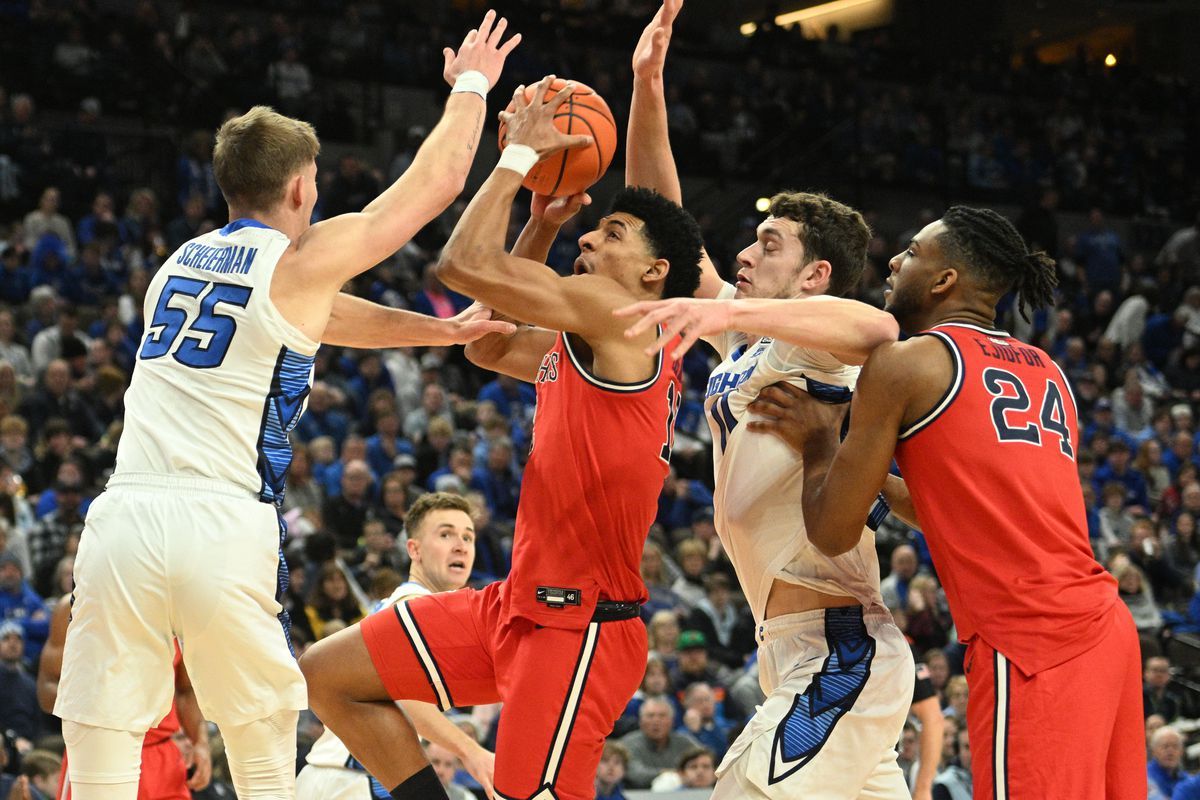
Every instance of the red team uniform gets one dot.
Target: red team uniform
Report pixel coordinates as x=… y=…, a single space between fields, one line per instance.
x=1053 y=662
x=560 y=640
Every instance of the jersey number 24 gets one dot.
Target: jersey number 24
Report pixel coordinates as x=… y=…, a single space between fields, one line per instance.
x=1011 y=397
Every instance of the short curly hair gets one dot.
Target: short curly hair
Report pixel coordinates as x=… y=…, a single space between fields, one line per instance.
x=672 y=233
x=830 y=231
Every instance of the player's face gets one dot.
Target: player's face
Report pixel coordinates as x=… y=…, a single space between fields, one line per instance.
x=615 y=249
x=445 y=549
x=912 y=274
x=775 y=266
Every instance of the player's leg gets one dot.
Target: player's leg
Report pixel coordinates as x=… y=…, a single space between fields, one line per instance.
x=563 y=690
x=332 y=783
x=841 y=684
x=227 y=580
x=426 y=649
x=117 y=679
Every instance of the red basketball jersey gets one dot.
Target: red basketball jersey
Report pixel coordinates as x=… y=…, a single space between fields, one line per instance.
x=993 y=477
x=591 y=487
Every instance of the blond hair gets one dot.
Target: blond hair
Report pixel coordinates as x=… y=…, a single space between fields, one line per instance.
x=258 y=153
x=426 y=503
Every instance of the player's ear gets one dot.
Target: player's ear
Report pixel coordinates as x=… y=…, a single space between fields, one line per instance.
x=413 y=546
x=817 y=276
x=295 y=191
x=945 y=281
x=657 y=271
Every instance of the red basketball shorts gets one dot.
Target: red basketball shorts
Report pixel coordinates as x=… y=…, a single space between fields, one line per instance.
x=1074 y=731
x=164 y=775
x=562 y=689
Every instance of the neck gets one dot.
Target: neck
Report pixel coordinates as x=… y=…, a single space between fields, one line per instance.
x=980 y=314
x=286 y=224
x=416 y=574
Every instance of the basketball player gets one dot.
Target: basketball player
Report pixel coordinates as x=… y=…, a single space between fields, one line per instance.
x=559 y=641
x=441 y=544
x=985 y=431
x=185 y=543
x=836 y=670
x=164 y=776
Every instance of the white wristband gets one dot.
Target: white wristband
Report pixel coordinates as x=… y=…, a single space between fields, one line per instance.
x=519 y=158
x=471 y=81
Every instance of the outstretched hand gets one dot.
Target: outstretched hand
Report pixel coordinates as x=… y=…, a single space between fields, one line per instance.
x=475 y=322
x=531 y=122
x=651 y=52
x=481 y=764
x=680 y=316
x=557 y=210
x=481 y=51
x=792 y=414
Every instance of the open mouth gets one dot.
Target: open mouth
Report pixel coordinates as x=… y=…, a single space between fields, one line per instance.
x=458 y=565
x=581 y=267
x=742 y=280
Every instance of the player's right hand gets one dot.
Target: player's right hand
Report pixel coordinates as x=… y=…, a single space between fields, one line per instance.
x=481 y=51
x=685 y=317
x=651 y=52
x=481 y=764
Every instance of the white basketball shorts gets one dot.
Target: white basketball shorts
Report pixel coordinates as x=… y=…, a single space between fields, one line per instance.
x=839 y=684
x=173 y=557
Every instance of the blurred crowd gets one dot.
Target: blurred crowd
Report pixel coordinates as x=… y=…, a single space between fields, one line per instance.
x=79 y=242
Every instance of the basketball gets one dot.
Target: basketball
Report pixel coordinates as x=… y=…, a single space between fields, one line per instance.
x=571 y=171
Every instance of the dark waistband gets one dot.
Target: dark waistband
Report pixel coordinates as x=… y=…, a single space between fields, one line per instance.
x=615 y=611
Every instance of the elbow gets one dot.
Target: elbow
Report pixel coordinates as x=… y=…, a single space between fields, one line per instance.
x=451 y=268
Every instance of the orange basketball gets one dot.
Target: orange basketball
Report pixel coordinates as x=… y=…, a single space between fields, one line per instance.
x=571 y=171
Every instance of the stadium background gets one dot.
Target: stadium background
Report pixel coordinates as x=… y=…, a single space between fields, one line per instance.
x=1078 y=120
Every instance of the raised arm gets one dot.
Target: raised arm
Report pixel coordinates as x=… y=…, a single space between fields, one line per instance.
x=355 y=322
x=649 y=160
x=337 y=249
x=848 y=329
x=475 y=263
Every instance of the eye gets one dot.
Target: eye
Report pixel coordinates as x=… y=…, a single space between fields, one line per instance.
x=613 y=235
x=910 y=253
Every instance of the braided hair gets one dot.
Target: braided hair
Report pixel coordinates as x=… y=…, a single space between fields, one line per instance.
x=989 y=245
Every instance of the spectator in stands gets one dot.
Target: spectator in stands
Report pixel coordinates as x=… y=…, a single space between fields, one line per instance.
x=1149 y=463
x=45 y=219
x=927 y=617
x=14 y=444
x=56 y=396
x=954 y=782
x=894 y=587
x=726 y=625
x=702 y=718
x=50 y=343
x=345 y=514
x=331 y=601
x=1157 y=695
x=189 y=224
x=19 y=709
x=434 y=404
x=498 y=481
x=1135 y=592
x=694 y=666
x=655 y=747
x=662 y=633
x=378 y=551
x=386 y=445
x=1119 y=469
x=303 y=491
x=351 y=189
x=1166 y=757
x=692 y=556
x=955 y=705
x=610 y=775
x=681 y=501
x=658 y=581
x=435 y=299
x=291 y=82
x=56 y=534
x=511 y=397
x=42 y=768
x=457 y=474
x=19 y=603
x=12 y=351
x=446 y=765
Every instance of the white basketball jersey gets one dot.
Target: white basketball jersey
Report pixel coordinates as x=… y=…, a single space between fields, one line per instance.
x=328 y=750
x=221 y=377
x=760 y=479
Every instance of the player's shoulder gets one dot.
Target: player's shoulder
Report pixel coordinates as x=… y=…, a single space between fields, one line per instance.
x=913 y=361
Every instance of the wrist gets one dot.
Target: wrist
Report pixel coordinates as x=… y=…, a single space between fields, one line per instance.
x=472 y=81
x=519 y=158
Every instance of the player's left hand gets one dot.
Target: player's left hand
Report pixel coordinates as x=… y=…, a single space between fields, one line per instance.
x=202 y=759
x=681 y=316
x=651 y=52
x=475 y=322
x=557 y=210
x=531 y=122
x=792 y=414
x=481 y=764
x=481 y=51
